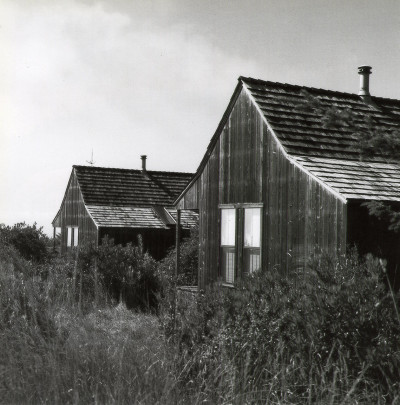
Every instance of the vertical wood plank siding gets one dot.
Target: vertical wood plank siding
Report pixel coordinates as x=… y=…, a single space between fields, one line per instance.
x=74 y=213
x=246 y=165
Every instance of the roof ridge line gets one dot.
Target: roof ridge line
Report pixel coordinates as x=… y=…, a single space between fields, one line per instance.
x=129 y=170
x=298 y=86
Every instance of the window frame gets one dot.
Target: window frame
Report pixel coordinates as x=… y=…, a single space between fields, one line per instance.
x=239 y=230
x=226 y=248
x=72 y=236
x=69 y=236
x=248 y=249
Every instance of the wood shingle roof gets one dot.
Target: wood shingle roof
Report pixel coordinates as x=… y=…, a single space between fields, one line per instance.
x=129 y=188
x=357 y=180
x=332 y=154
x=126 y=198
x=125 y=217
x=307 y=141
x=303 y=133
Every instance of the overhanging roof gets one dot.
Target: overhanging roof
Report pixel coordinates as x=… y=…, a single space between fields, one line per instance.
x=125 y=217
x=307 y=141
x=355 y=179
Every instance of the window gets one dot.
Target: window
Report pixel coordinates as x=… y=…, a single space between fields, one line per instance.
x=228 y=243
x=252 y=236
x=240 y=240
x=76 y=236
x=72 y=236
x=69 y=237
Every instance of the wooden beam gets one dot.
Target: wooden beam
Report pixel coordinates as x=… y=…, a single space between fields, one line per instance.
x=177 y=241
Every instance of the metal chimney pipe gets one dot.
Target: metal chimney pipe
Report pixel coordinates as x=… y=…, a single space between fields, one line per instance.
x=143 y=157
x=364 y=72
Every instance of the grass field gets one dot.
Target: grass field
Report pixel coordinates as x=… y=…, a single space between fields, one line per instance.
x=269 y=341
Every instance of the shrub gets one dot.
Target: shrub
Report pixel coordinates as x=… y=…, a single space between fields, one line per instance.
x=55 y=351
x=29 y=240
x=126 y=272
x=189 y=259
x=329 y=334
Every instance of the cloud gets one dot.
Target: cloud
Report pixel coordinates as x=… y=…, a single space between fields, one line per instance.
x=80 y=77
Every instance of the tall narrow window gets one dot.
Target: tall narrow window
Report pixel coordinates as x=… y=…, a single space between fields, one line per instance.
x=72 y=236
x=76 y=236
x=228 y=242
x=252 y=237
x=69 y=236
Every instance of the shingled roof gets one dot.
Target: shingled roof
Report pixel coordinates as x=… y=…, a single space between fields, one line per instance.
x=131 y=198
x=356 y=180
x=102 y=186
x=303 y=133
x=332 y=155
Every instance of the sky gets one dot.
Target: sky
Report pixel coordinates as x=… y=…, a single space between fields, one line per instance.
x=126 y=78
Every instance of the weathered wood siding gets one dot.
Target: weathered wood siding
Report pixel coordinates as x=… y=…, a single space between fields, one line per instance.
x=191 y=198
x=74 y=213
x=247 y=165
x=300 y=215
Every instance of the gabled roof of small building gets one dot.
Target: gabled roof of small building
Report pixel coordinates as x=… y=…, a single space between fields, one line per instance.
x=102 y=186
x=331 y=155
x=127 y=198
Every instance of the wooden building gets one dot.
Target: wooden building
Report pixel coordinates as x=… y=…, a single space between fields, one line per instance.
x=275 y=183
x=122 y=204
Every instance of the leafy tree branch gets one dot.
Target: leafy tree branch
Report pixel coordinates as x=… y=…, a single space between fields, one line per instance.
x=372 y=140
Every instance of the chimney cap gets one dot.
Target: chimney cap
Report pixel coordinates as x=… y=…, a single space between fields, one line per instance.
x=364 y=69
x=143 y=157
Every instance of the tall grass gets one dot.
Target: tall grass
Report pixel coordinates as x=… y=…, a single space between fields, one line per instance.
x=327 y=335
x=54 y=350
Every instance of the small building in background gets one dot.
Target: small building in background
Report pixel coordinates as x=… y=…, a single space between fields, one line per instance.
x=122 y=204
x=276 y=183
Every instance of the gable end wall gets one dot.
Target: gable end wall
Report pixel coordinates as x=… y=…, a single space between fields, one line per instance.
x=247 y=165
x=74 y=213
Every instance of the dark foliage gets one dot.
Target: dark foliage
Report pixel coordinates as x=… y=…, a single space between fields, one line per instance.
x=189 y=259
x=29 y=240
x=126 y=272
x=333 y=322
x=373 y=140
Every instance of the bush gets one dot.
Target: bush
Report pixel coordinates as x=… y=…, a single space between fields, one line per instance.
x=54 y=352
x=329 y=334
x=189 y=260
x=29 y=240
x=127 y=272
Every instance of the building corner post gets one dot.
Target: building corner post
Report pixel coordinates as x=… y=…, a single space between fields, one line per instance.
x=177 y=242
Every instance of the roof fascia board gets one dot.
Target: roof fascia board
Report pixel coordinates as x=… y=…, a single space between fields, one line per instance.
x=55 y=218
x=83 y=200
x=287 y=156
x=214 y=139
x=169 y=215
x=65 y=194
x=133 y=227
